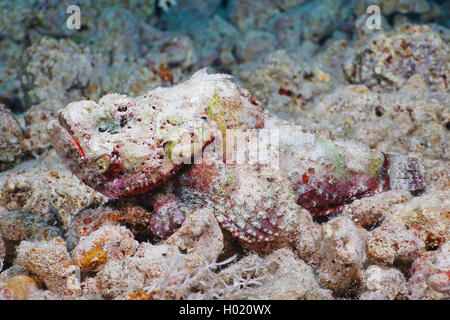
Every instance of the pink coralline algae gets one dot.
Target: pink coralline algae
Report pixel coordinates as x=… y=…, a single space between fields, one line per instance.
x=125 y=146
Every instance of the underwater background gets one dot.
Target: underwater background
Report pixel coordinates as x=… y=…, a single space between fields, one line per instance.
x=374 y=72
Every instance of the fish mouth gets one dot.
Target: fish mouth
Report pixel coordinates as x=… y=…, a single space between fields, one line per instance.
x=65 y=126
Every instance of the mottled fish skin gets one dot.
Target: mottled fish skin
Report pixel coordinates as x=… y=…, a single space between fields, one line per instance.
x=124 y=146
x=253 y=202
x=261 y=203
x=326 y=174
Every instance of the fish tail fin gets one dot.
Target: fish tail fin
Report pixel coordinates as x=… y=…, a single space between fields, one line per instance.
x=403 y=173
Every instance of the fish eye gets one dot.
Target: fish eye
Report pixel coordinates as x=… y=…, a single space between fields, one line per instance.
x=102 y=129
x=379 y=111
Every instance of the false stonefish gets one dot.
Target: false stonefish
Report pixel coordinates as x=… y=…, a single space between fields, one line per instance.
x=209 y=142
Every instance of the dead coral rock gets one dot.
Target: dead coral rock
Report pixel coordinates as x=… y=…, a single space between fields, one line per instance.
x=18 y=226
x=20 y=287
x=68 y=70
x=279 y=276
x=389 y=59
x=89 y=289
x=51 y=263
x=46 y=188
x=134 y=217
x=343 y=255
x=198 y=8
x=390 y=245
x=427 y=216
x=216 y=42
x=321 y=17
x=383 y=284
x=149 y=264
x=176 y=50
x=282 y=84
x=10 y=54
x=314 y=21
x=11 y=136
x=265 y=248
x=288 y=29
x=437 y=174
x=255 y=44
x=369 y=212
x=116 y=32
x=430 y=275
x=43 y=295
x=105 y=244
x=248 y=14
x=200 y=237
x=412 y=121
x=130 y=76
x=391 y=6
x=329 y=59
x=306 y=238
x=23 y=136
x=36 y=139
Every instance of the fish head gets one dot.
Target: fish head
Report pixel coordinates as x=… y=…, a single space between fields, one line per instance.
x=123 y=146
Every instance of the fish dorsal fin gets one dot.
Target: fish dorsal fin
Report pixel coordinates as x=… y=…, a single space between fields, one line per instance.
x=203 y=75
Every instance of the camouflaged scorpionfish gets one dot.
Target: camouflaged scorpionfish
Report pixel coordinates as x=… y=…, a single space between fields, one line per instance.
x=123 y=146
